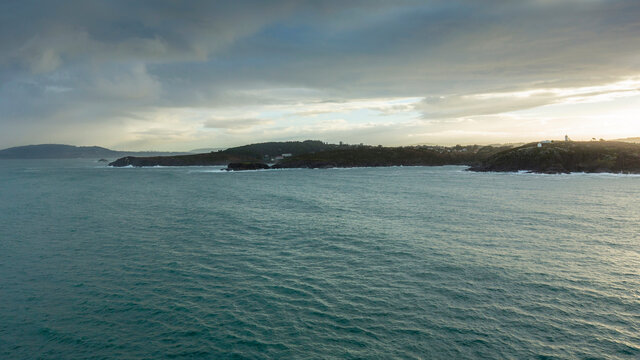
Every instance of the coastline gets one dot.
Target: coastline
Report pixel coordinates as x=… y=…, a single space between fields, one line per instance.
x=560 y=157
x=462 y=168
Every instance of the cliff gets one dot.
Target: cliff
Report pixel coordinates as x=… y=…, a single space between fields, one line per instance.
x=566 y=157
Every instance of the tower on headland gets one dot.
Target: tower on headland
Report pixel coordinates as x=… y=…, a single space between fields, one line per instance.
x=566 y=138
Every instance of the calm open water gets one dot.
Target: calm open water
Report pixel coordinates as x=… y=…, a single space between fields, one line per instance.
x=413 y=262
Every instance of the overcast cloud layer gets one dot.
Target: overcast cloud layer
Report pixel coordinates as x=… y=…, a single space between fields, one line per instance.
x=172 y=75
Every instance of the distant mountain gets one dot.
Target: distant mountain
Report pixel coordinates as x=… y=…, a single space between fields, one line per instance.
x=59 y=151
x=56 y=151
x=205 y=150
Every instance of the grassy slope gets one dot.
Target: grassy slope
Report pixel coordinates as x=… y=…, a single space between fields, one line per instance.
x=317 y=154
x=387 y=156
x=215 y=158
x=246 y=153
x=573 y=156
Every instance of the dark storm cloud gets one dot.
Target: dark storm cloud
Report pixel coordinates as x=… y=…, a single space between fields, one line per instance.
x=64 y=63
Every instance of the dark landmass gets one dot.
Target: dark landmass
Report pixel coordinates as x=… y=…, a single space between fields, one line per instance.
x=275 y=149
x=262 y=152
x=208 y=159
x=566 y=157
x=553 y=157
x=247 y=166
x=372 y=156
x=316 y=154
x=58 y=151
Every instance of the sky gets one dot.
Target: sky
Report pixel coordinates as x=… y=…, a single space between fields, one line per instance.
x=181 y=75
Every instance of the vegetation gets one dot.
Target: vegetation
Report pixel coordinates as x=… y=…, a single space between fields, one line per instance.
x=247 y=166
x=247 y=153
x=274 y=149
x=359 y=156
x=316 y=154
x=554 y=157
x=207 y=159
x=564 y=157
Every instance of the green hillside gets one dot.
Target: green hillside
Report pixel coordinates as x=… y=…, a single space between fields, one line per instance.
x=567 y=156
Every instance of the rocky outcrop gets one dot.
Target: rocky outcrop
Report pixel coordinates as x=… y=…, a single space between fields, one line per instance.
x=207 y=159
x=337 y=156
x=305 y=164
x=247 y=166
x=566 y=157
x=247 y=153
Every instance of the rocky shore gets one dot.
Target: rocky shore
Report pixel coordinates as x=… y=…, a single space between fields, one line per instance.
x=247 y=166
x=207 y=159
x=544 y=157
x=566 y=157
x=313 y=154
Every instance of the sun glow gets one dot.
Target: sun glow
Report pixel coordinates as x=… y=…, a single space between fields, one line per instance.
x=626 y=88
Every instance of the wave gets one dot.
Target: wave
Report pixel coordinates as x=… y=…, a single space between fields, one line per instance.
x=602 y=174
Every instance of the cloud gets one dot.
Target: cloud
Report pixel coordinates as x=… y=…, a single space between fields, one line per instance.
x=384 y=106
x=159 y=31
x=102 y=64
x=468 y=105
x=235 y=124
x=456 y=106
x=133 y=83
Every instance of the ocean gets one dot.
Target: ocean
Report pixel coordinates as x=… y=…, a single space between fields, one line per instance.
x=364 y=263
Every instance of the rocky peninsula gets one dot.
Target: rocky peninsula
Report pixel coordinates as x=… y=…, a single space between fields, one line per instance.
x=375 y=156
x=247 y=166
x=262 y=152
x=316 y=154
x=207 y=159
x=566 y=157
x=550 y=157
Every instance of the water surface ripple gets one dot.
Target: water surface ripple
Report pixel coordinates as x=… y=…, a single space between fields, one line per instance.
x=415 y=262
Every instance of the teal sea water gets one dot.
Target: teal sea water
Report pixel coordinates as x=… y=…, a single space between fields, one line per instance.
x=418 y=262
